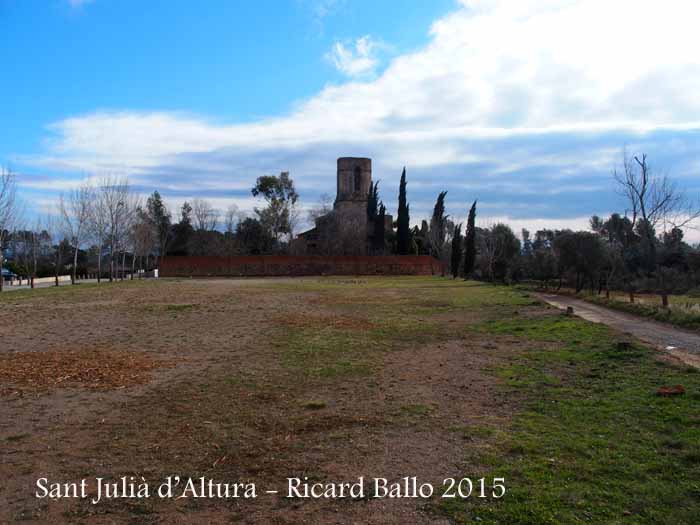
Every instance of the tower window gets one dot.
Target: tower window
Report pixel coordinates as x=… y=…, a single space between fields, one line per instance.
x=357 y=179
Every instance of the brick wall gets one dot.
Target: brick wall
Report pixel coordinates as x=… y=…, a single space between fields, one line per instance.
x=288 y=265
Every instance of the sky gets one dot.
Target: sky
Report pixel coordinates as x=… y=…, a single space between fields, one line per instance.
x=525 y=105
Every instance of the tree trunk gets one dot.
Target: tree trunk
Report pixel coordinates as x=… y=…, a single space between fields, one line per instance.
x=111 y=264
x=2 y=279
x=34 y=269
x=631 y=297
x=57 y=265
x=74 y=274
x=99 y=266
x=664 y=300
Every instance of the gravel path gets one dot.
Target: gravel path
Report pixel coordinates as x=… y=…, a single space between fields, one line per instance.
x=680 y=343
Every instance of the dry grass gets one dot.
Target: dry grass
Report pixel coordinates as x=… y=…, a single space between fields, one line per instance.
x=315 y=320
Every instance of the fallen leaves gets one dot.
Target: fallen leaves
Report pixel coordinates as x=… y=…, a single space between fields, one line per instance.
x=94 y=368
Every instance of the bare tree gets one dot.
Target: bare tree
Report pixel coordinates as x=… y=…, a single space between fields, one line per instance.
x=109 y=217
x=231 y=218
x=99 y=227
x=28 y=246
x=144 y=238
x=76 y=210
x=8 y=210
x=53 y=230
x=294 y=219
x=324 y=207
x=206 y=216
x=114 y=193
x=652 y=198
x=125 y=239
x=653 y=201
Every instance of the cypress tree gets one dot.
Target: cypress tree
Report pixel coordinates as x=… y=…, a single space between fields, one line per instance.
x=378 y=237
x=403 y=239
x=456 y=258
x=470 y=243
x=437 y=226
x=373 y=201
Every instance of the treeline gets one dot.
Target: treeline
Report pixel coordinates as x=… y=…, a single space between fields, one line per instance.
x=640 y=250
x=104 y=229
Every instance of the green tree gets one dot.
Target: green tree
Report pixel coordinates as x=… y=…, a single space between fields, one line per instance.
x=379 y=234
x=253 y=237
x=159 y=217
x=373 y=201
x=182 y=231
x=580 y=253
x=456 y=256
x=281 y=197
x=403 y=236
x=470 y=243
x=437 y=231
x=507 y=251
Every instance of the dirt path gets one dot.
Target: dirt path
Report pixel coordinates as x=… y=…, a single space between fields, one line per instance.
x=682 y=344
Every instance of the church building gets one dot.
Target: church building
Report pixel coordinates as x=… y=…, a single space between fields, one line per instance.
x=346 y=230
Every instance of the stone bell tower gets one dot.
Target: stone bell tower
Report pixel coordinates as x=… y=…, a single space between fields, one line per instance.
x=346 y=230
x=354 y=180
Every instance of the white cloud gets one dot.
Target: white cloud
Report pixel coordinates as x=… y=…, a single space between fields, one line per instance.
x=490 y=70
x=494 y=72
x=355 y=61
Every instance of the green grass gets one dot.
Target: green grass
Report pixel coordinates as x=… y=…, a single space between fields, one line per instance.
x=325 y=353
x=172 y=308
x=593 y=443
x=314 y=405
x=416 y=410
x=677 y=314
x=683 y=310
x=390 y=313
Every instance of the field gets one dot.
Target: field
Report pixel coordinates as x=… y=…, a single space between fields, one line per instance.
x=332 y=379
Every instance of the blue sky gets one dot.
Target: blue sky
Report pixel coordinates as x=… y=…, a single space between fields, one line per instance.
x=524 y=105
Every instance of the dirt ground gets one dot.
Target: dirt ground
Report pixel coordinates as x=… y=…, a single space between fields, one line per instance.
x=198 y=378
